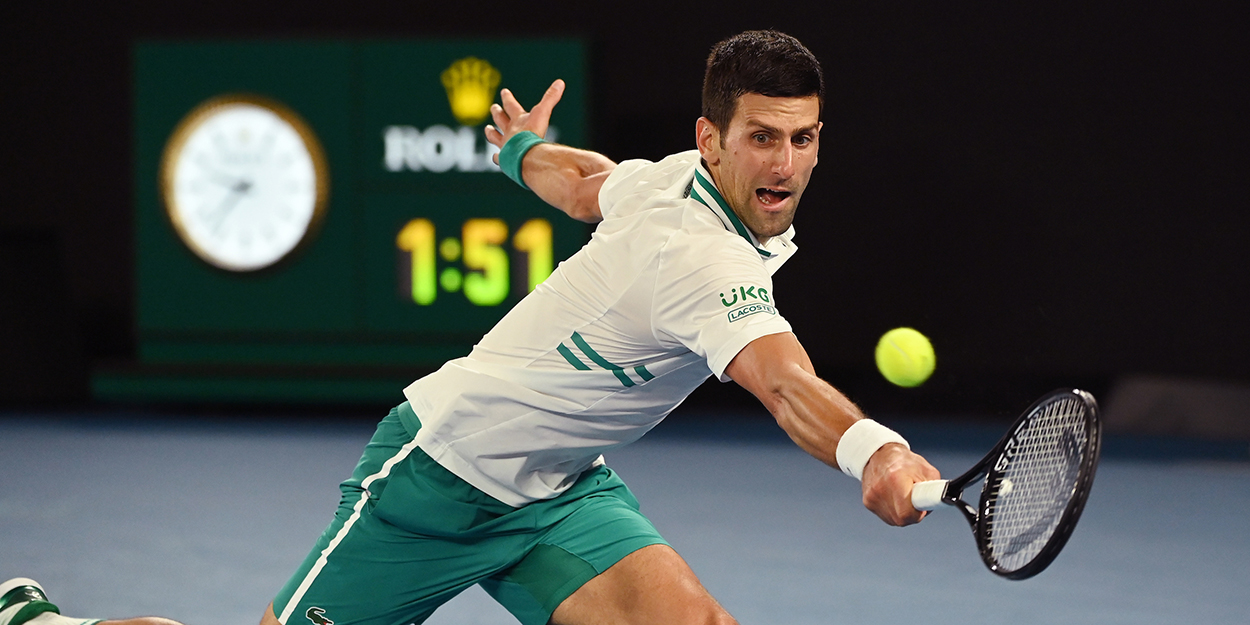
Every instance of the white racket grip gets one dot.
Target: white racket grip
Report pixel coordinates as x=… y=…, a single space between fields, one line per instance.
x=928 y=495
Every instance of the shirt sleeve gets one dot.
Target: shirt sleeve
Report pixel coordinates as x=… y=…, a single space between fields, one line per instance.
x=634 y=182
x=620 y=183
x=714 y=296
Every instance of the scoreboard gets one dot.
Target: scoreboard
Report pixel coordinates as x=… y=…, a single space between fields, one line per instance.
x=331 y=205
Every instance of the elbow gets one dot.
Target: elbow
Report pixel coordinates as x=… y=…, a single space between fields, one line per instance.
x=770 y=394
x=572 y=200
x=585 y=196
x=775 y=403
x=583 y=204
x=587 y=213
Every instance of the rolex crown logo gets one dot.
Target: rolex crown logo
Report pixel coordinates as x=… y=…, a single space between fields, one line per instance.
x=470 y=84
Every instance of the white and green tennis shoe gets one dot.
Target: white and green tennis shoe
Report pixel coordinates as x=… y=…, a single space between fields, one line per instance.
x=23 y=601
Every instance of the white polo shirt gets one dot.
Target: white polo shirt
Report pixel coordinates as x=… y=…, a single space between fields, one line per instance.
x=669 y=289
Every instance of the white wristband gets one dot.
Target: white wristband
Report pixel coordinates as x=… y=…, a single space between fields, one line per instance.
x=860 y=442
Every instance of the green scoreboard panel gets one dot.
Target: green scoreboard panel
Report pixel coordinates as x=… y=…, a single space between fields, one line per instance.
x=305 y=204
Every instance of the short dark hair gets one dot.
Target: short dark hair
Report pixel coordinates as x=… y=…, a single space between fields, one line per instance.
x=766 y=62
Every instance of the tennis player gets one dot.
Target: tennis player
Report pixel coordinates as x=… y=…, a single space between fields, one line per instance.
x=492 y=473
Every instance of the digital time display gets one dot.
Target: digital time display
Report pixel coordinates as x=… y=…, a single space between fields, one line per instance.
x=411 y=243
x=477 y=264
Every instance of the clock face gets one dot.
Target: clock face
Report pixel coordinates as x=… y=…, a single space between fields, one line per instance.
x=244 y=182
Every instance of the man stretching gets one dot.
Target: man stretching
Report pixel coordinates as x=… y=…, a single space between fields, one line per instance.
x=491 y=472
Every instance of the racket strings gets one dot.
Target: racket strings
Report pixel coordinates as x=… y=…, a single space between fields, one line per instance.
x=1031 y=492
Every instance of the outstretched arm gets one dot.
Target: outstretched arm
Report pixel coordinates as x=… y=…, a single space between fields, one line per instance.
x=564 y=177
x=777 y=370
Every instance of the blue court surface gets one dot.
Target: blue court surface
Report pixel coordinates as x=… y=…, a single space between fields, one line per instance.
x=201 y=519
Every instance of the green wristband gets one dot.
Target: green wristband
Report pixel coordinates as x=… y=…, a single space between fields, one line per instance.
x=513 y=152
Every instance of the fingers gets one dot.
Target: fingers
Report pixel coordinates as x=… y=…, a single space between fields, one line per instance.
x=550 y=98
x=500 y=118
x=898 y=511
x=494 y=136
x=888 y=485
x=929 y=471
x=510 y=117
x=510 y=111
x=510 y=105
x=920 y=471
x=916 y=471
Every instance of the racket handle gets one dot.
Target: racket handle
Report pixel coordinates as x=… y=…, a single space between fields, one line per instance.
x=928 y=495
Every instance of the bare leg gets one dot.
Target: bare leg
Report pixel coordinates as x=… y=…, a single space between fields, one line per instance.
x=269 y=618
x=146 y=620
x=56 y=619
x=22 y=600
x=652 y=586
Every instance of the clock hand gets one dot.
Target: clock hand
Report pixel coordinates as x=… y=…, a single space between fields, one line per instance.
x=235 y=195
x=225 y=181
x=215 y=175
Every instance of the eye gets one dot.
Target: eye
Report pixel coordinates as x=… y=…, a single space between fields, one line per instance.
x=760 y=138
x=803 y=140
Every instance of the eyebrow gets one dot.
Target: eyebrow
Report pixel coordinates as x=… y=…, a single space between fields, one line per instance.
x=777 y=131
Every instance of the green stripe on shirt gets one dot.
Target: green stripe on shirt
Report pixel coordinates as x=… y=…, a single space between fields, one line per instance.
x=601 y=361
x=573 y=360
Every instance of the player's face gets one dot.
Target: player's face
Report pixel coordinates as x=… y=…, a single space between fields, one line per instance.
x=762 y=163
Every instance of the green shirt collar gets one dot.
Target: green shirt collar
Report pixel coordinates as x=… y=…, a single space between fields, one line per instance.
x=704 y=190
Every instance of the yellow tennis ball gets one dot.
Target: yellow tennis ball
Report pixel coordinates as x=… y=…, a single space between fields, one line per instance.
x=905 y=357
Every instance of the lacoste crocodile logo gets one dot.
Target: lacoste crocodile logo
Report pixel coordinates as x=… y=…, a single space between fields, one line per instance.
x=318 y=616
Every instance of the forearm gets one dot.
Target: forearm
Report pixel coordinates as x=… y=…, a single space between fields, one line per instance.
x=817 y=417
x=567 y=178
x=776 y=369
x=778 y=372
x=813 y=413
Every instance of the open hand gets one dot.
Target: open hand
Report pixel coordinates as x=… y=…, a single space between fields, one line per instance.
x=511 y=118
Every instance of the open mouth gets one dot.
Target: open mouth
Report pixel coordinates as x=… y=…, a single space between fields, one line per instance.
x=771 y=197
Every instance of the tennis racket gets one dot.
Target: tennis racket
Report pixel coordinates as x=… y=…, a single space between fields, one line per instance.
x=1037 y=479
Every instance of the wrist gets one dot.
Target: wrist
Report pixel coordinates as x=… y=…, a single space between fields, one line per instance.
x=513 y=153
x=860 y=442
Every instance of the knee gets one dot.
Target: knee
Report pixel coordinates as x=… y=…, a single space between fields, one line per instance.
x=718 y=616
x=269 y=618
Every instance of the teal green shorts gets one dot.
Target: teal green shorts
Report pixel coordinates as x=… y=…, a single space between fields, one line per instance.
x=409 y=535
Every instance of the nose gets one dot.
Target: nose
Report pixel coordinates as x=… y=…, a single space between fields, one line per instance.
x=783 y=160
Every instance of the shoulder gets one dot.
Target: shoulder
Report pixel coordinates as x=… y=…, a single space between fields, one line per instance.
x=702 y=243
x=635 y=181
x=700 y=249
x=639 y=171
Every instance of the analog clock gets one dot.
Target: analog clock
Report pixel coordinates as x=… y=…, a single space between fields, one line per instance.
x=244 y=181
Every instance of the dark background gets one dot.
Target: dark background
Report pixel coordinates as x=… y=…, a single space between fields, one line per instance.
x=1053 y=193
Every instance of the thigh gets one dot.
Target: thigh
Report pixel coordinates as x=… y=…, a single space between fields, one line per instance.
x=653 y=585
x=584 y=533
x=373 y=573
x=387 y=559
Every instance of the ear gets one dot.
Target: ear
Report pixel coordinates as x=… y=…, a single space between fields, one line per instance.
x=707 y=138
